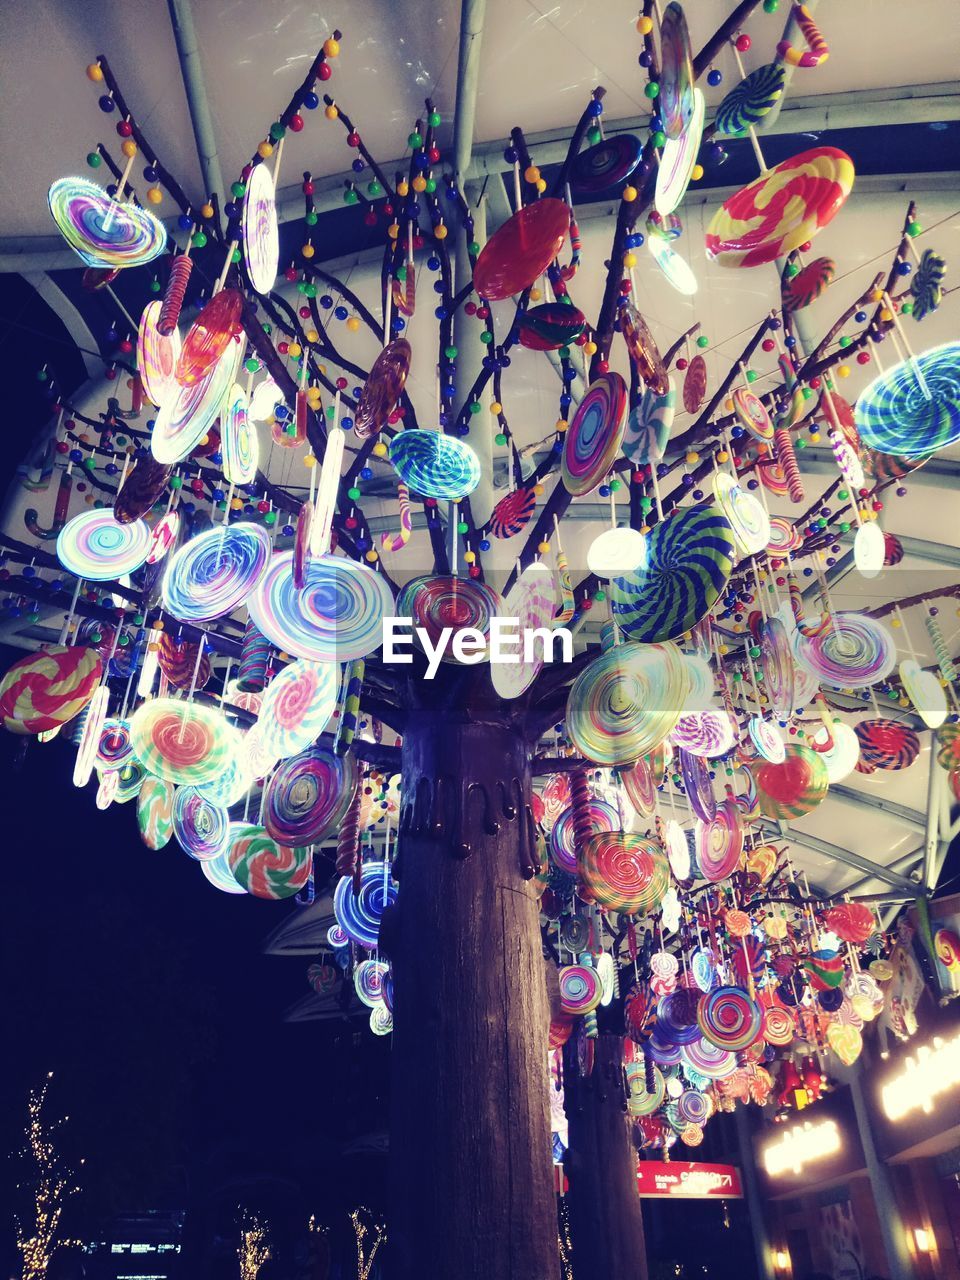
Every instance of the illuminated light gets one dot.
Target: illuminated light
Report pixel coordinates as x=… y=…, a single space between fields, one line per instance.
x=801 y=1145
x=781 y=1259
x=934 y=1070
x=923 y=1240
x=676 y=269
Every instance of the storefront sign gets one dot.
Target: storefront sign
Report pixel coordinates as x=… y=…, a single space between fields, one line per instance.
x=932 y=1071
x=688 y=1179
x=800 y=1145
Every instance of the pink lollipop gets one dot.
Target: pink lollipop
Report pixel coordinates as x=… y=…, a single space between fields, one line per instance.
x=157 y=356
x=532 y=602
x=720 y=843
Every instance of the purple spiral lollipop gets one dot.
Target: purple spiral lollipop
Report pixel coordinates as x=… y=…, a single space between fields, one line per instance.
x=186 y=418
x=602 y=817
x=216 y=571
x=115 y=748
x=696 y=781
x=729 y=1019
x=359 y=915
x=580 y=989
x=693 y=1107
x=854 y=652
x=704 y=733
x=309 y=795
x=438 y=601
x=677 y=1017
x=709 y=1060
x=368 y=980
x=719 y=843
x=662 y=1048
x=202 y=829
x=96 y=546
x=592 y=440
x=103 y=231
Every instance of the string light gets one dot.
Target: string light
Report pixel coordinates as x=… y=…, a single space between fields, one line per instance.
x=52 y=1185
x=363 y=1225
x=254 y=1247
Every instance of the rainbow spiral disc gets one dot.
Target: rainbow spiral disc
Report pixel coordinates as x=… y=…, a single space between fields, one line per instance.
x=308 y=796
x=708 y=1059
x=104 y=232
x=215 y=571
x=336 y=617
x=779 y=673
x=157 y=356
x=784 y=538
x=114 y=749
x=217 y=870
x=155 y=812
x=368 y=979
x=297 y=705
x=719 y=843
x=185 y=742
x=729 y=1019
x=624 y=872
x=265 y=868
x=435 y=465
x=359 y=915
x=794 y=788
x=853 y=652
x=626 y=702
x=531 y=602
x=261 y=234
x=95 y=546
x=439 y=601
x=185 y=419
x=747 y=515
x=580 y=989
x=592 y=441
x=914 y=407
x=677 y=159
x=704 y=733
x=239 y=441
x=201 y=828
x=599 y=815
x=689 y=558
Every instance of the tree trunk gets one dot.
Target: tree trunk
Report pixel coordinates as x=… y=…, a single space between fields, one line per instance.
x=606 y=1223
x=471 y=1186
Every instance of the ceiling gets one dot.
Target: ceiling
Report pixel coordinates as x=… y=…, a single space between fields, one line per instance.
x=887 y=94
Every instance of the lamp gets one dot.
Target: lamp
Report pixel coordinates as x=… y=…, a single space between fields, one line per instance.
x=923 y=1240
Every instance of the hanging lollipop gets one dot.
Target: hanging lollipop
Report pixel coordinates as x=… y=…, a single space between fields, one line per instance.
x=550 y=326
x=643 y=350
x=531 y=602
x=383 y=388
x=913 y=408
x=359 y=914
x=596 y=816
x=44 y=690
x=261 y=234
x=263 y=867
x=689 y=559
x=184 y=742
x=697 y=784
x=216 y=571
x=95 y=545
x=704 y=733
x=435 y=465
x=157 y=356
x=752 y=414
x=103 y=231
x=747 y=103
x=200 y=827
x=512 y=513
x=808 y=284
x=185 y=419
x=783 y=208
x=521 y=250
x=182 y=662
x=145 y=483
x=648 y=427
x=604 y=166
x=626 y=702
x=309 y=795
x=592 y=440
x=297 y=706
x=925 y=691
x=887 y=744
x=677 y=160
x=746 y=515
x=216 y=328
x=397 y=541
x=791 y=789
x=676 y=98
x=240 y=443
x=719 y=843
x=854 y=651
x=695 y=384
x=927 y=284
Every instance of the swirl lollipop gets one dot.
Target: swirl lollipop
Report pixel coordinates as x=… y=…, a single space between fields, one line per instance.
x=368 y=981
x=114 y=749
x=704 y=733
x=677 y=159
x=600 y=817
x=642 y=348
x=335 y=618
x=238 y=439
x=791 y=789
x=201 y=828
x=216 y=571
x=746 y=515
x=719 y=843
x=104 y=232
x=456 y=603
x=521 y=250
x=512 y=514
x=44 y=690
x=767 y=740
x=886 y=744
x=676 y=100
x=231 y=786
x=593 y=438
x=638 y=782
x=624 y=872
x=155 y=812
x=550 y=326
x=383 y=387
x=708 y=1059
x=913 y=408
x=308 y=797
x=146 y=482
x=752 y=414
x=580 y=989
x=531 y=602
x=648 y=427
x=927 y=284
x=749 y=101
x=263 y=867
x=359 y=915
x=605 y=165
x=776 y=662
x=783 y=208
x=854 y=652
x=184 y=742
x=784 y=538
x=261 y=234
x=696 y=782
x=185 y=419
x=183 y=663
x=297 y=707
x=96 y=546
x=214 y=330
x=808 y=284
x=157 y=356
x=695 y=384
x=435 y=465
x=689 y=559
x=626 y=702
x=729 y=1019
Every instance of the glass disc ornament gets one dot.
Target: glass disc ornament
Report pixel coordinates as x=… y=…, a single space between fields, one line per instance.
x=706 y=733
x=183 y=421
x=841 y=758
x=201 y=828
x=925 y=692
x=887 y=744
x=563 y=849
x=702 y=686
x=437 y=601
x=927 y=284
x=336 y=617
x=767 y=740
x=164 y=536
x=677 y=270
x=623 y=872
x=678 y=850
x=185 y=742
x=695 y=384
x=616 y=551
x=648 y=426
x=216 y=571
x=869 y=549
x=521 y=250
x=435 y=465
x=592 y=441
x=261 y=234
x=642 y=349
x=265 y=868
x=791 y=789
x=550 y=326
x=626 y=702
x=239 y=441
x=605 y=165
x=677 y=159
x=359 y=914
x=676 y=98
x=44 y=690
x=808 y=284
x=746 y=514
x=782 y=209
x=913 y=408
x=776 y=663
x=101 y=231
x=749 y=101
x=308 y=796
x=215 y=328
x=383 y=387
x=157 y=356
x=531 y=602
x=155 y=811
x=146 y=482
x=697 y=784
x=854 y=652
x=690 y=556
x=96 y=546
x=719 y=843
x=512 y=513
x=217 y=870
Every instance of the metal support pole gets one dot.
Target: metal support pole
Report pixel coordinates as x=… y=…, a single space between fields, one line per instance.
x=470 y=354
x=194 y=84
x=931 y=847
x=755 y=1205
x=891 y=1227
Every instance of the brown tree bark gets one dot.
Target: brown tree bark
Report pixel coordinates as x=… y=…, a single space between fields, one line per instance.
x=471 y=1188
x=606 y=1223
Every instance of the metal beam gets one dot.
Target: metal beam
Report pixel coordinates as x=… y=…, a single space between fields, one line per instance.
x=902 y=863
x=936 y=780
x=72 y=318
x=910 y=817
x=816 y=460
x=847 y=857
x=472 y=16
x=194 y=84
